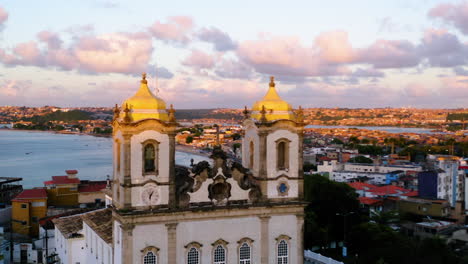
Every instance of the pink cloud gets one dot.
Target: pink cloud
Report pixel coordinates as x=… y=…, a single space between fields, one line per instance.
x=287 y=56
x=390 y=54
x=52 y=39
x=127 y=53
x=199 y=60
x=417 y=90
x=453 y=14
x=177 y=29
x=334 y=47
x=221 y=40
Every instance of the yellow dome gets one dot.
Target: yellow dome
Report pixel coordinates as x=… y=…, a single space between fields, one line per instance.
x=275 y=107
x=144 y=104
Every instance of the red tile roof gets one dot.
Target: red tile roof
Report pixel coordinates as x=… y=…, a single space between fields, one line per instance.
x=31 y=194
x=411 y=194
x=62 y=180
x=92 y=187
x=369 y=201
x=71 y=171
x=389 y=190
x=362 y=186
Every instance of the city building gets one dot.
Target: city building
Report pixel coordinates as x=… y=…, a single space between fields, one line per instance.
x=27 y=208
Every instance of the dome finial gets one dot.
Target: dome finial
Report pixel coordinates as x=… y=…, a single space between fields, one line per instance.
x=272 y=81
x=143 y=78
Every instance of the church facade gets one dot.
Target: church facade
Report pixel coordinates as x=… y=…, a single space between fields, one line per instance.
x=219 y=212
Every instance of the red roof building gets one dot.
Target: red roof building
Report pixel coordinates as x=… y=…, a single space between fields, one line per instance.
x=58 y=180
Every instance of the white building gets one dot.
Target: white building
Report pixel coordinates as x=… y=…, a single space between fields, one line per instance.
x=221 y=213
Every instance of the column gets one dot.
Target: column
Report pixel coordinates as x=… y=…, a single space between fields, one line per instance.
x=172 y=181
x=171 y=243
x=300 y=175
x=265 y=239
x=127 y=180
x=262 y=173
x=127 y=243
x=300 y=238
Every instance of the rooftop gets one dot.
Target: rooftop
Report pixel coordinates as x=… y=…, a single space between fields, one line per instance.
x=101 y=222
x=57 y=180
x=69 y=226
x=89 y=187
x=32 y=194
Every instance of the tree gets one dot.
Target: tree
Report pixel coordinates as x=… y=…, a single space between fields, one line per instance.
x=360 y=159
x=337 y=141
x=189 y=139
x=327 y=199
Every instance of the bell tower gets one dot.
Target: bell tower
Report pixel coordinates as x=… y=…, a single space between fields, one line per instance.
x=144 y=152
x=272 y=146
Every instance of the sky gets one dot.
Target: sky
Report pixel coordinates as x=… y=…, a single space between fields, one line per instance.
x=212 y=54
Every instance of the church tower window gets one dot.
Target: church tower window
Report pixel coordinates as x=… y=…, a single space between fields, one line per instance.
x=219 y=255
x=150 y=258
x=283 y=252
x=245 y=254
x=150 y=157
x=193 y=256
x=117 y=144
x=282 y=157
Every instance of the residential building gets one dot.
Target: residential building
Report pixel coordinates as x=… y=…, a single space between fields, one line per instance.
x=27 y=208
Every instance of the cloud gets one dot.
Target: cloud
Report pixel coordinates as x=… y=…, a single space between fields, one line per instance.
x=443 y=49
x=176 y=30
x=452 y=14
x=460 y=71
x=220 y=40
x=3 y=18
x=199 y=60
x=334 y=47
x=287 y=56
x=366 y=73
x=12 y=92
x=390 y=54
x=52 y=39
x=416 y=90
x=229 y=68
x=126 y=53
x=161 y=72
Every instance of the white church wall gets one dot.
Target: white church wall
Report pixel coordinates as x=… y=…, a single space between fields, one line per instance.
x=283 y=225
x=201 y=195
x=149 y=235
x=236 y=192
x=272 y=172
x=208 y=231
x=117 y=138
x=272 y=189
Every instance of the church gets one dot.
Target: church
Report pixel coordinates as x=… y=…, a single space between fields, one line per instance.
x=220 y=212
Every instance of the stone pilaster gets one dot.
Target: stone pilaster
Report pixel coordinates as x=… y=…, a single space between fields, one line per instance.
x=262 y=172
x=300 y=183
x=127 y=243
x=300 y=238
x=171 y=243
x=127 y=180
x=264 y=239
x=172 y=181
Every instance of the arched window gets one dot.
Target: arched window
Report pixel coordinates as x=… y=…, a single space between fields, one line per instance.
x=193 y=256
x=245 y=256
x=150 y=258
x=150 y=156
x=282 y=157
x=219 y=255
x=251 y=155
x=283 y=252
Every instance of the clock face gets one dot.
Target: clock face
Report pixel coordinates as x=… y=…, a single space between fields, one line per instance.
x=150 y=195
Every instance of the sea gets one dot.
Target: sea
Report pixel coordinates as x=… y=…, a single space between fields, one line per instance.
x=35 y=156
